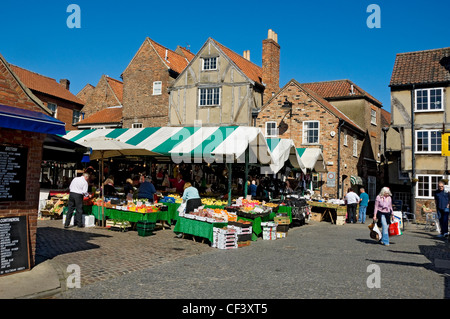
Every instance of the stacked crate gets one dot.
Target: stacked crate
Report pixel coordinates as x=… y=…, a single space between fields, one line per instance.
x=269 y=230
x=224 y=238
x=244 y=233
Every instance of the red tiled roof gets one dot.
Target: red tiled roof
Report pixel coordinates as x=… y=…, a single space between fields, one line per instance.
x=174 y=60
x=108 y=115
x=385 y=118
x=187 y=54
x=251 y=70
x=421 y=67
x=117 y=87
x=338 y=89
x=44 y=84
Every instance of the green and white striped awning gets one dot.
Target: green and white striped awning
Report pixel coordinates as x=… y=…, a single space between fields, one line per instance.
x=312 y=158
x=183 y=144
x=356 y=180
x=283 y=150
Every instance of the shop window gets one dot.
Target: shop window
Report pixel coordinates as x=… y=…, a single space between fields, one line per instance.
x=426 y=185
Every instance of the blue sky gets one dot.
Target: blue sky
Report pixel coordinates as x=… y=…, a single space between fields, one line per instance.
x=320 y=40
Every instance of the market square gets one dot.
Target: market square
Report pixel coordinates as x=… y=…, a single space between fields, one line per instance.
x=226 y=153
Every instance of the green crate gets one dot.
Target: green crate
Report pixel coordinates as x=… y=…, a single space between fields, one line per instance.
x=146 y=225
x=144 y=232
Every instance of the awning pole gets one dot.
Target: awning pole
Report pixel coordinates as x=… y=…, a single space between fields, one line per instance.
x=247 y=151
x=229 y=183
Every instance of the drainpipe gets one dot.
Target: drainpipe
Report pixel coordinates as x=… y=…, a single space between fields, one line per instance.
x=338 y=177
x=413 y=155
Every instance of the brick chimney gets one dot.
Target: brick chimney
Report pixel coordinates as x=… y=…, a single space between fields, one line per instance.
x=65 y=83
x=271 y=65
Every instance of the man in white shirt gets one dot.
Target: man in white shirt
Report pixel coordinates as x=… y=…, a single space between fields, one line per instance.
x=78 y=189
x=352 y=200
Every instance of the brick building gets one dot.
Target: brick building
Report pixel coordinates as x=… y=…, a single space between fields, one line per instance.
x=104 y=104
x=24 y=124
x=65 y=106
x=146 y=79
x=316 y=123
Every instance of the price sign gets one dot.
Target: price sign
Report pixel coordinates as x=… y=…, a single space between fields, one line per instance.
x=13 y=173
x=14 y=244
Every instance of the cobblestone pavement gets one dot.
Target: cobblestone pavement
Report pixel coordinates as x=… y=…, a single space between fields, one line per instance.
x=318 y=260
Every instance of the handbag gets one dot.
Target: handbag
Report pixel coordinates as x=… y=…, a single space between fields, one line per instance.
x=374 y=231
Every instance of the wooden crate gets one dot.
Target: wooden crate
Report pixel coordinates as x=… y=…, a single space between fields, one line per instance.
x=282 y=220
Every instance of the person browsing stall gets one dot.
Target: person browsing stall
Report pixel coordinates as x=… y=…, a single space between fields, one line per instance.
x=191 y=197
x=146 y=189
x=363 y=203
x=352 y=200
x=78 y=190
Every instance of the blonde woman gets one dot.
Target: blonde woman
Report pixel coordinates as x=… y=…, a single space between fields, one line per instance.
x=383 y=213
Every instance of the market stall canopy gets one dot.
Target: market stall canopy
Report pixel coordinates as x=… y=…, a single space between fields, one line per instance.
x=26 y=120
x=356 y=180
x=59 y=149
x=187 y=143
x=312 y=158
x=283 y=150
x=103 y=147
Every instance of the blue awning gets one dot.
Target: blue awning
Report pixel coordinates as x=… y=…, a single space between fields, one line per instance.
x=26 y=120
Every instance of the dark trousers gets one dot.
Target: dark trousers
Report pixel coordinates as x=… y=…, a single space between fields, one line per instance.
x=75 y=203
x=351 y=212
x=443 y=221
x=192 y=204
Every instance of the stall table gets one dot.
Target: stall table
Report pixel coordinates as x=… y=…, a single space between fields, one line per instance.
x=130 y=216
x=321 y=210
x=197 y=228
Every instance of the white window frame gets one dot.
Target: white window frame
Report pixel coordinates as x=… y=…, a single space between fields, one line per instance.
x=355 y=146
x=430 y=187
x=56 y=109
x=306 y=135
x=80 y=116
x=157 y=87
x=137 y=125
x=275 y=129
x=206 y=97
x=373 y=117
x=206 y=63
x=428 y=142
x=429 y=100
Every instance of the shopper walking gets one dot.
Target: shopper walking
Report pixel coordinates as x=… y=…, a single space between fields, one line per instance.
x=352 y=200
x=363 y=203
x=383 y=213
x=78 y=189
x=442 y=200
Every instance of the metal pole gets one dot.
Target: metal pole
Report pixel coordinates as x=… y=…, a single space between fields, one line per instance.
x=246 y=171
x=413 y=156
x=229 y=183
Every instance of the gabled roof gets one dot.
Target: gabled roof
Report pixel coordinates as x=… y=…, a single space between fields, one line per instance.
x=251 y=70
x=421 y=67
x=44 y=84
x=85 y=92
x=339 y=89
x=319 y=99
x=108 y=115
x=171 y=59
x=117 y=87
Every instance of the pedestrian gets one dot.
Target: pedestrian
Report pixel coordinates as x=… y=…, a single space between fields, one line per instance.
x=146 y=188
x=78 y=190
x=383 y=214
x=352 y=200
x=191 y=197
x=442 y=200
x=363 y=203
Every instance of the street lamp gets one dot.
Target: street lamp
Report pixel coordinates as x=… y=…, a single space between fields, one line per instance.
x=255 y=113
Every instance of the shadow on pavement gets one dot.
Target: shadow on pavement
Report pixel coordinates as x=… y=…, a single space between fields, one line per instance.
x=51 y=242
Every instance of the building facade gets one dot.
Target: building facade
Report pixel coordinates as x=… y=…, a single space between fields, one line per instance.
x=420 y=102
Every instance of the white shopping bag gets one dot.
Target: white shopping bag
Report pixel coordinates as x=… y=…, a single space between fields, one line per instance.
x=182 y=208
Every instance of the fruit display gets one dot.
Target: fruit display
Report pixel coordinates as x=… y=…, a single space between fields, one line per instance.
x=213 y=202
x=211 y=215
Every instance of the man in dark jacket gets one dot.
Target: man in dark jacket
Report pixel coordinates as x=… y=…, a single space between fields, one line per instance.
x=442 y=200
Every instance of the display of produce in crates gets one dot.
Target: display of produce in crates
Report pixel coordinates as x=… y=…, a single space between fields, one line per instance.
x=269 y=230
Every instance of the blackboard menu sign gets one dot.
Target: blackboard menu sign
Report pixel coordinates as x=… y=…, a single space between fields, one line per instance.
x=13 y=173
x=14 y=244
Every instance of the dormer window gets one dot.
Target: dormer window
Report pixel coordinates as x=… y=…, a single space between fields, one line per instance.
x=209 y=64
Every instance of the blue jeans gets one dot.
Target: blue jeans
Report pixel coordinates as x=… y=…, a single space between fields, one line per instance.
x=384 y=230
x=362 y=213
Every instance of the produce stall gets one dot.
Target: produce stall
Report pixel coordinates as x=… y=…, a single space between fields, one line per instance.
x=334 y=212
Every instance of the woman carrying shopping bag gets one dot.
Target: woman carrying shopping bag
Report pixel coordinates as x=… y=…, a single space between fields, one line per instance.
x=384 y=214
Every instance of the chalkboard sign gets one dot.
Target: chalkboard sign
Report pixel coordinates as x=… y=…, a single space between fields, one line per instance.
x=13 y=173
x=14 y=244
